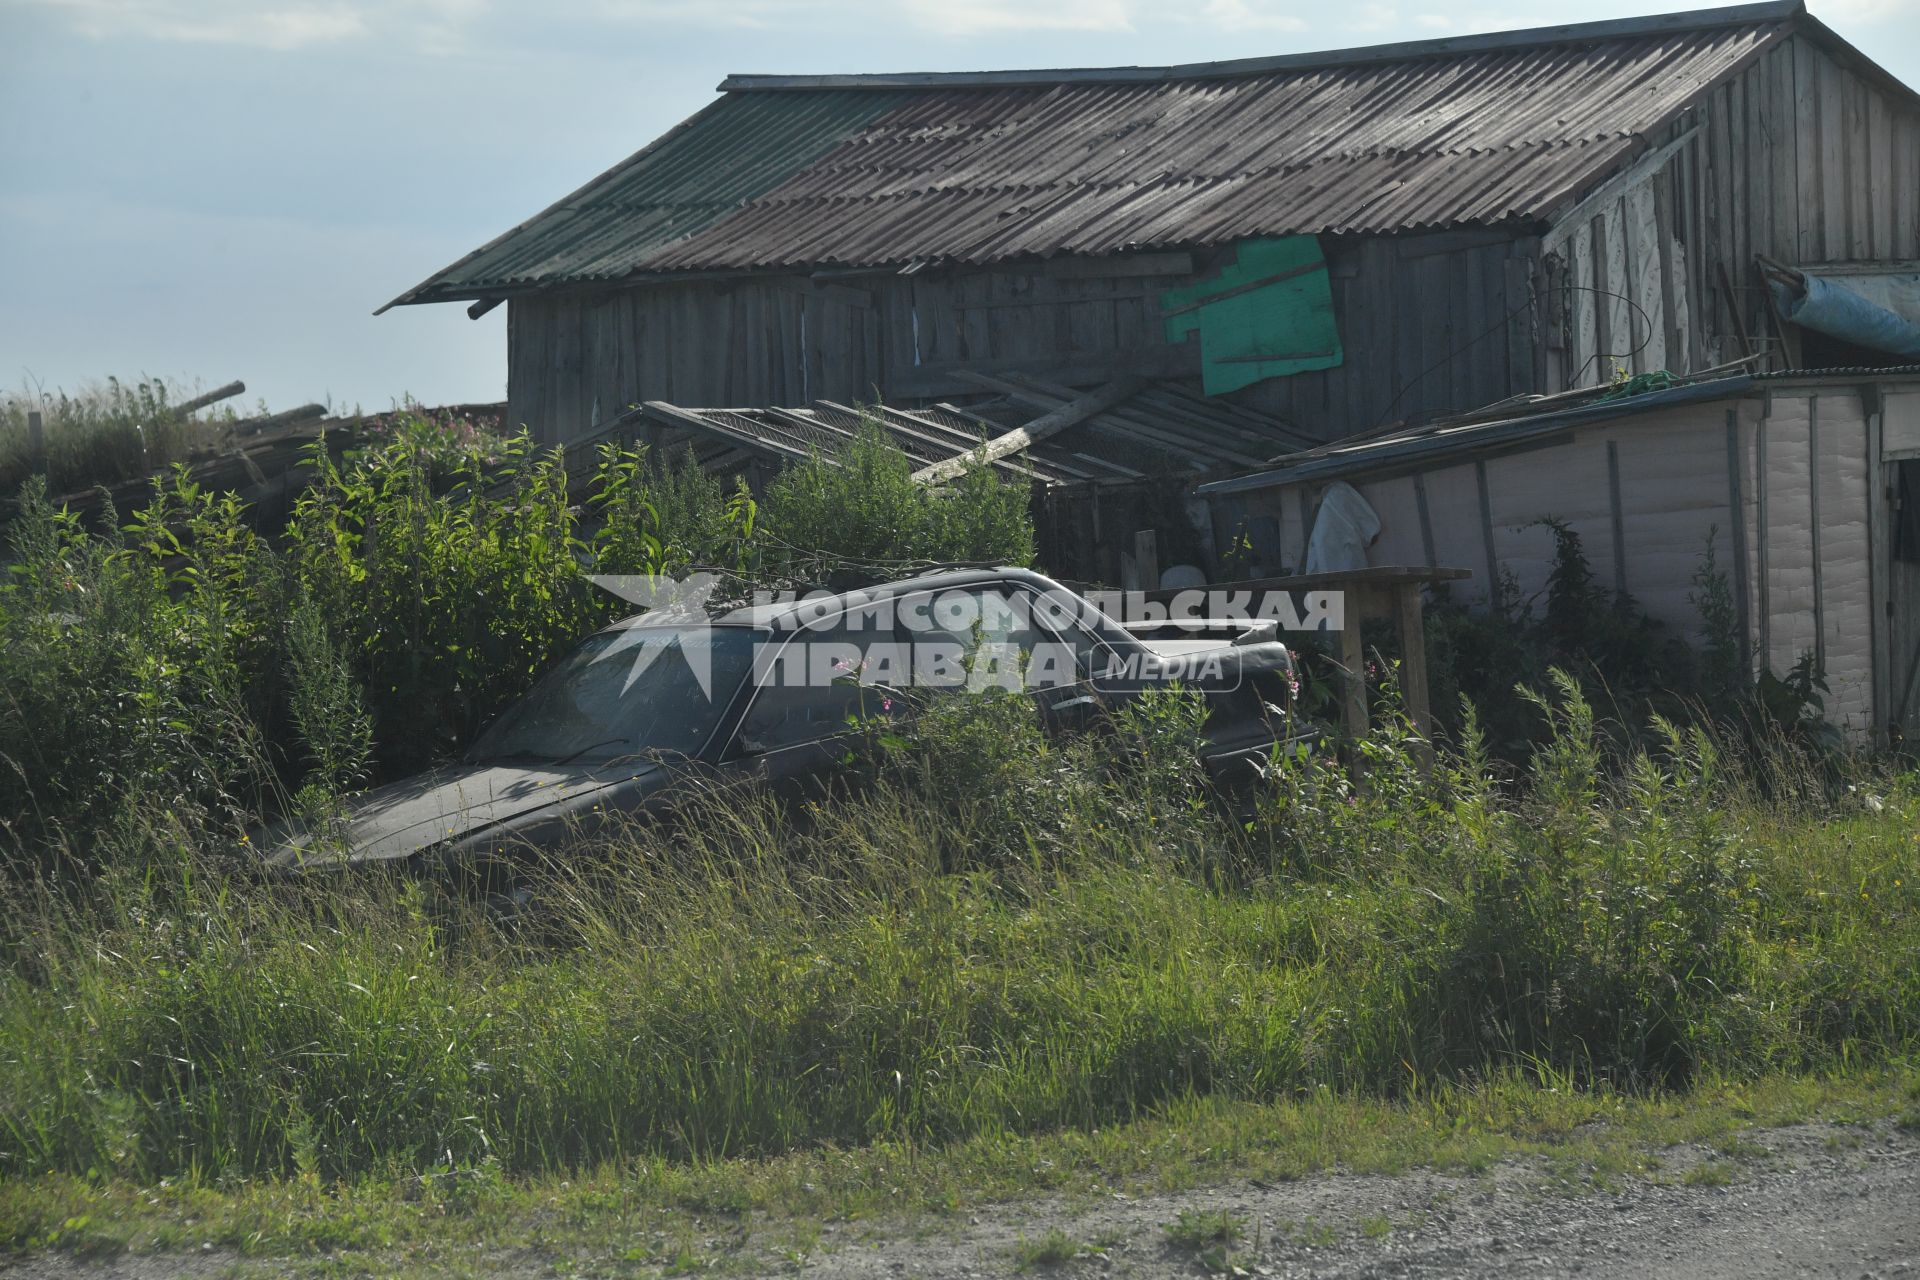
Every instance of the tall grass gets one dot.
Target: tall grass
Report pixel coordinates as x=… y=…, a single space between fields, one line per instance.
x=1078 y=943
x=103 y=433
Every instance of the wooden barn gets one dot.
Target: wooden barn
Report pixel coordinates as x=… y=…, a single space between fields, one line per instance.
x=1304 y=247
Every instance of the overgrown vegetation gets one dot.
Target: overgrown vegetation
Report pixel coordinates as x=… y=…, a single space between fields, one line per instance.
x=1002 y=935
x=104 y=433
x=900 y=968
x=186 y=666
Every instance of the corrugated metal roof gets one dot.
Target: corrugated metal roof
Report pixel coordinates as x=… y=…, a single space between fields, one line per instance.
x=1162 y=429
x=1423 y=444
x=877 y=171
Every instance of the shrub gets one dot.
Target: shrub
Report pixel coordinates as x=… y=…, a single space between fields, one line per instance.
x=185 y=667
x=449 y=603
x=863 y=507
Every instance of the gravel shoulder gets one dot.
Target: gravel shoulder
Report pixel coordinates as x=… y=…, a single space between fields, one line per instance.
x=1810 y=1200
x=1814 y=1200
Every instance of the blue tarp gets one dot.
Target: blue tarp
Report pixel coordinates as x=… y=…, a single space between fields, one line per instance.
x=1838 y=311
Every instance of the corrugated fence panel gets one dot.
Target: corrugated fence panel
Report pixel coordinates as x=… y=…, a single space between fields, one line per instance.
x=1787 y=534
x=1673 y=496
x=1523 y=495
x=1846 y=585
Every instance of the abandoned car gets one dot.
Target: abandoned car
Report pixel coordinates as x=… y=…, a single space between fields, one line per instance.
x=767 y=695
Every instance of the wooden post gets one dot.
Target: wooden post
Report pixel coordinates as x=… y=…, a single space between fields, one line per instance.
x=1146 y=558
x=37 y=442
x=1354 y=682
x=1408 y=613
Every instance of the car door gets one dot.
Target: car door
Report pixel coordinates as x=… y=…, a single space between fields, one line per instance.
x=811 y=695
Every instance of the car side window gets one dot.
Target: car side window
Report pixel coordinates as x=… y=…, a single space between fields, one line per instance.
x=822 y=680
x=985 y=636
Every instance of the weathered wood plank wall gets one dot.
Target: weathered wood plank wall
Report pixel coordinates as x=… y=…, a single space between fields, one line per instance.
x=1429 y=323
x=1798 y=158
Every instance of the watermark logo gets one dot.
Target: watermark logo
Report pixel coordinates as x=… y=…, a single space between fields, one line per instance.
x=973 y=636
x=679 y=605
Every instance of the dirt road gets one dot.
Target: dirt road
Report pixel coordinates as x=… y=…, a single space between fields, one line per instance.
x=1816 y=1200
x=1808 y=1201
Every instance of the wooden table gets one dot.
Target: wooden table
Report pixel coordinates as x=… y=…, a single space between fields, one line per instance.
x=1379 y=591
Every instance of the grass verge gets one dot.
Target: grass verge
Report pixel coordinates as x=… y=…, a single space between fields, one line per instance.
x=653 y=1212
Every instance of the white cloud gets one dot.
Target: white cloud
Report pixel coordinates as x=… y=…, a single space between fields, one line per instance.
x=1865 y=10
x=1250 y=15
x=424 y=25
x=940 y=17
x=987 y=17
x=277 y=27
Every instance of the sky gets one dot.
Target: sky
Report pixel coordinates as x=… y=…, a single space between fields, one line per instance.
x=214 y=189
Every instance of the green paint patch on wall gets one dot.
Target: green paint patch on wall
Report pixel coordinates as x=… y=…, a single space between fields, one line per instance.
x=1266 y=315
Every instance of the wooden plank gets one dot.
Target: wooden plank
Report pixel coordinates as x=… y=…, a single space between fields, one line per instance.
x=1015 y=331
x=1906 y=184
x=1176 y=263
x=1408 y=618
x=1646 y=341
x=1746 y=137
x=1783 y=192
x=1448 y=242
x=931 y=381
x=1833 y=187
x=995 y=428
x=1732 y=300
x=1604 y=343
x=1146 y=558
x=1090 y=320
x=1048 y=424
x=1246 y=287
x=1807 y=143
x=1602 y=198
x=1877 y=170
x=1522 y=315
x=1670 y=281
x=1353 y=685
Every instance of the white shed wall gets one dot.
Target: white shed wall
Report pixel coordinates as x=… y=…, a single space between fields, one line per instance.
x=1803 y=477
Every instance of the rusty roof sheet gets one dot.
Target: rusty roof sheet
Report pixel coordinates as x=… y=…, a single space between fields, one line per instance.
x=786 y=172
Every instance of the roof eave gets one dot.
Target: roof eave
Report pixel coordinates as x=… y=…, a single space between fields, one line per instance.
x=1402 y=451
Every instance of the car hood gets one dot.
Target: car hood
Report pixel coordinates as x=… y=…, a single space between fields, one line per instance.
x=405 y=817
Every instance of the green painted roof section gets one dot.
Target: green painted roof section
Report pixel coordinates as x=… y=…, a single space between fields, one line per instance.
x=736 y=149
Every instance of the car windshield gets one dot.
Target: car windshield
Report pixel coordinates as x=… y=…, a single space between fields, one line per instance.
x=624 y=692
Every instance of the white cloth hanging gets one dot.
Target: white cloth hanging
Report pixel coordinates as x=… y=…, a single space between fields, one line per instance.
x=1346 y=526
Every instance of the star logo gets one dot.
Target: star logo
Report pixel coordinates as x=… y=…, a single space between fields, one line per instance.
x=678 y=602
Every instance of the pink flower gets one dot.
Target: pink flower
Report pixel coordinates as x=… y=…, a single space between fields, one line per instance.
x=886 y=704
